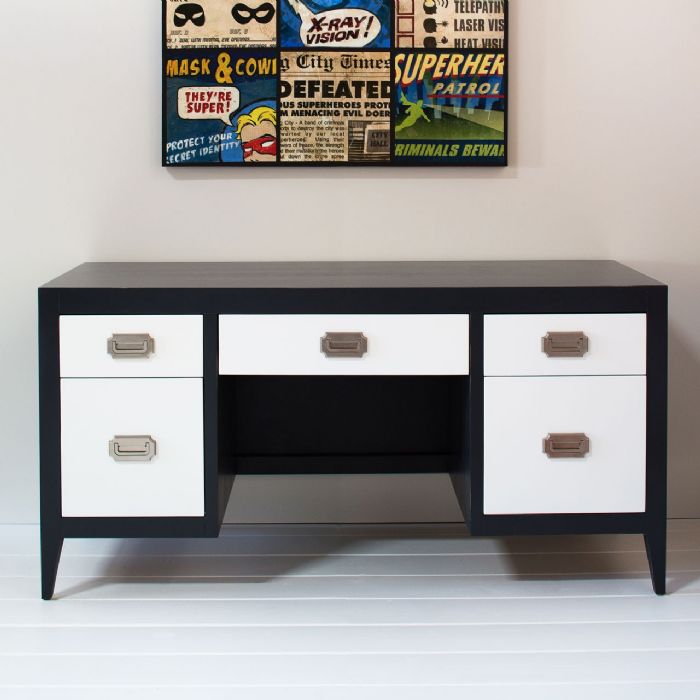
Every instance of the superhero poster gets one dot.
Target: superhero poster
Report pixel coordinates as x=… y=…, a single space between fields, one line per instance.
x=335 y=107
x=255 y=83
x=348 y=24
x=221 y=107
x=450 y=107
x=216 y=24
x=450 y=24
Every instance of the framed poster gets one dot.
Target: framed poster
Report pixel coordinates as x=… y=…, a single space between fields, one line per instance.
x=335 y=82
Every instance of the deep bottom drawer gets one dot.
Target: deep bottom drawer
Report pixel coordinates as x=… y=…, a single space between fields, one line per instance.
x=519 y=414
x=126 y=479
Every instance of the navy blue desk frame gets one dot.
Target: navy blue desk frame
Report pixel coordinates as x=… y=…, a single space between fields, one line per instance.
x=358 y=288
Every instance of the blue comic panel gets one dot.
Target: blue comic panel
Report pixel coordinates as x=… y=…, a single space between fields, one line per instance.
x=221 y=106
x=349 y=24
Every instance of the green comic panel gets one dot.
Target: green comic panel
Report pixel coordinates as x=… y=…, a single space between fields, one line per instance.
x=450 y=107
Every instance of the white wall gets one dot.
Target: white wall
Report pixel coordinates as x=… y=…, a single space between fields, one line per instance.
x=605 y=156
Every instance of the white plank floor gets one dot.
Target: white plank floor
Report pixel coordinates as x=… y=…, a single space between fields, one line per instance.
x=340 y=612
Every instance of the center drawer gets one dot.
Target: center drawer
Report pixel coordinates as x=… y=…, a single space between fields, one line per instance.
x=371 y=344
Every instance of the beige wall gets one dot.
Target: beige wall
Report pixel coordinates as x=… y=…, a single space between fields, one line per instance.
x=605 y=156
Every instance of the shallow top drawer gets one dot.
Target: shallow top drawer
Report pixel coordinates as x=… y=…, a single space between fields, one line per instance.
x=402 y=344
x=131 y=346
x=564 y=344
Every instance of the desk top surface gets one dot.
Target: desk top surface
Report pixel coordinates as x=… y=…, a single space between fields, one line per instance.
x=351 y=275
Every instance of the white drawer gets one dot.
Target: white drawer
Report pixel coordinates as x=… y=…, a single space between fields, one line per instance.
x=396 y=344
x=513 y=344
x=519 y=478
x=94 y=411
x=177 y=350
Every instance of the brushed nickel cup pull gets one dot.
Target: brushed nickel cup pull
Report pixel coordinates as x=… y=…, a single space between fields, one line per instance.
x=571 y=344
x=566 y=445
x=344 y=344
x=126 y=345
x=132 y=448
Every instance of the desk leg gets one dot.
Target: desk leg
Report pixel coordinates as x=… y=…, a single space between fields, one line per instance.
x=51 y=546
x=657 y=418
x=50 y=442
x=656 y=554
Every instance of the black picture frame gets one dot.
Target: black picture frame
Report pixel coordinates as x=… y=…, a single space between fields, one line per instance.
x=392 y=161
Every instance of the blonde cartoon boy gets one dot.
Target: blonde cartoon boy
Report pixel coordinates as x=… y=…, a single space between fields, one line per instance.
x=257 y=132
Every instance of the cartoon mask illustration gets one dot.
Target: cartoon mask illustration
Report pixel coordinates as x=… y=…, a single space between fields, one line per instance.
x=257 y=132
x=262 y=14
x=189 y=12
x=265 y=145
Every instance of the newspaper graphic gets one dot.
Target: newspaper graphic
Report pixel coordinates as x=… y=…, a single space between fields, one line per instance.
x=335 y=107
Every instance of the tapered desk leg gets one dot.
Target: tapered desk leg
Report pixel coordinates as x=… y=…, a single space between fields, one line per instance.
x=657 y=419
x=51 y=546
x=50 y=442
x=656 y=554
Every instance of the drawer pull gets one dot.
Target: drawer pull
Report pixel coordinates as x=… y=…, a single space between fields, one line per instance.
x=132 y=448
x=557 y=344
x=566 y=445
x=344 y=344
x=126 y=345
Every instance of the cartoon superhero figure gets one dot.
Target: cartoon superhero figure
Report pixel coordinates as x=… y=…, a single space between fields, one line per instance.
x=257 y=132
x=414 y=112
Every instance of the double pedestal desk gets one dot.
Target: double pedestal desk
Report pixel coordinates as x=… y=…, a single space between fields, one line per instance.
x=540 y=387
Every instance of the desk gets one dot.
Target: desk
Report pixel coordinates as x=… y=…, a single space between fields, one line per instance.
x=539 y=386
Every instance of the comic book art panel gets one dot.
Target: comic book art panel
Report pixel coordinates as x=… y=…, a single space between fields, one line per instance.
x=450 y=107
x=220 y=23
x=345 y=24
x=335 y=106
x=221 y=107
x=450 y=24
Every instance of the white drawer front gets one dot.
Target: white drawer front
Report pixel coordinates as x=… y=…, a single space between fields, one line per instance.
x=94 y=411
x=513 y=344
x=519 y=478
x=177 y=353
x=396 y=344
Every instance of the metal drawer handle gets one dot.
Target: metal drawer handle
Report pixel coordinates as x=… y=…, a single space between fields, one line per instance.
x=125 y=345
x=344 y=344
x=572 y=344
x=132 y=448
x=566 y=445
